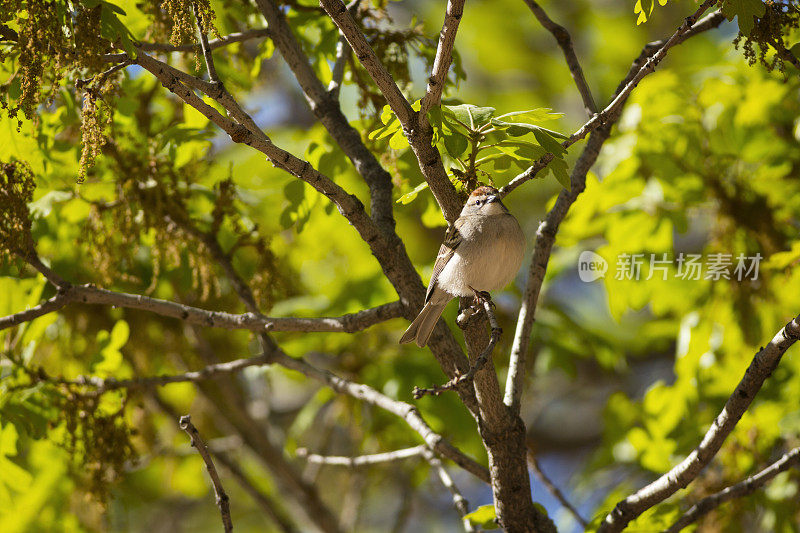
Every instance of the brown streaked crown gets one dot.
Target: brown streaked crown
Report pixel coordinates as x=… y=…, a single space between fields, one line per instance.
x=484 y=190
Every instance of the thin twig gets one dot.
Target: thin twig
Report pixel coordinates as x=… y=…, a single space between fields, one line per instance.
x=222 y=498
x=102 y=385
x=231 y=38
x=459 y=502
x=204 y=46
x=739 y=490
x=555 y=491
x=443 y=58
x=53 y=304
x=762 y=366
x=270 y=505
x=417 y=130
x=89 y=294
x=337 y=73
x=546 y=234
x=362 y=460
x=616 y=104
x=564 y=41
x=366 y=55
x=404 y=410
x=480 y=362
x=343 y=52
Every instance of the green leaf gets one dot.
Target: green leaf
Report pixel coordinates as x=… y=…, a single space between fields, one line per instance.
x=409 y=196
x=744 y=10
x=387 y=114
x=44 y=205
x=483 y=517
x=398 y=141
x=644 y=8
x=456 y=144
x=560 y=170
x=112 y=29
x=385 y=131
x=470 y=115
x=541 y=114
x=295 y=192
x=545 y=138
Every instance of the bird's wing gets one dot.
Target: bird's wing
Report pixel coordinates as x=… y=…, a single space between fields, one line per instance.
x=452 y=238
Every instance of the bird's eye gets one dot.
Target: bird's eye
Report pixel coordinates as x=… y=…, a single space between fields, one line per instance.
x=478 y=202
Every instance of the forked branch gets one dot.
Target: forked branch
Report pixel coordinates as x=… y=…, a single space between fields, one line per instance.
x=762 y=366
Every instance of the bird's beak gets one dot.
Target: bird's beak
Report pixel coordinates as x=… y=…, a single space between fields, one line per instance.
x=493 y=198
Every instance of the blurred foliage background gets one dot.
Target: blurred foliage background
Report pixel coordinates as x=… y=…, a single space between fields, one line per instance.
x=624 y=378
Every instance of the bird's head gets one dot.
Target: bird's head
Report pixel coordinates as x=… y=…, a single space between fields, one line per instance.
x=484 y=200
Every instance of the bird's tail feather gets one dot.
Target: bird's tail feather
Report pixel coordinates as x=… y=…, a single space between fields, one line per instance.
x=421 y=328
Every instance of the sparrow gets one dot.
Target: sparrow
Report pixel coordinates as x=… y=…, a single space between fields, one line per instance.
x=482 y=251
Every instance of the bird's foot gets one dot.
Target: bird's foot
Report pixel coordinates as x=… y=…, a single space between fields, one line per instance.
x=481 y=298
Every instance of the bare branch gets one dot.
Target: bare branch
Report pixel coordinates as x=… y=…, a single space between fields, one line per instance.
x=362 y=460
x=459 y=502
x=222 y=498
x=419 y=133
x=337 y=73
x=231 y=38
x=269 y=505
x=204 y=46
x=404 y=410
x=479 y=363
x=739 y=490
x=89 y=294
x=555 y=491
x=546 y=234
x=366 y=55
x=53 y=304
x=444 y=56
x=545 y=238
x=762 y=366
x=616 y=104
x=564 y=40
x=325 y=106
x=208 y=372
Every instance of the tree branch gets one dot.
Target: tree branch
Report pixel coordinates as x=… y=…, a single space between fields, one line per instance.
x=103 y=385
x=337 y=72
x=418 y=131
x=89 y=294
x=404 y=410
x=271 y=507
x=545 y=239
x=53 y=304
x=362 y=460
x=762 y=366
x=739 y=490
x=616 y=104
x=212 y=45
x=443 y=59
x=459 y=502
x=480 y=362
x=385 y=245
x=555 y=491
x=325 y=106
x=204 y=46
x=222 y=498
x=564 y=41
x=337 y=10
x=546 y=233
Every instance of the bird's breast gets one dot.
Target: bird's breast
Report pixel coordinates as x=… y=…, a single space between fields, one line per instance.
x=487 y=259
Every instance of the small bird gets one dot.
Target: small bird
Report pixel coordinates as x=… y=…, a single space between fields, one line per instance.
x=481 y=252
